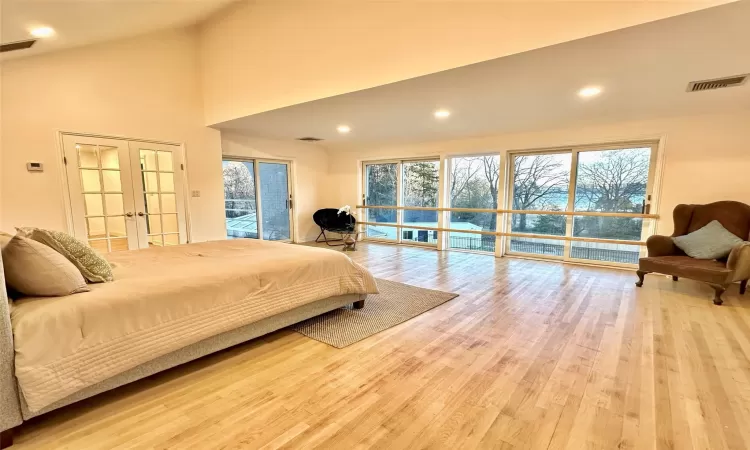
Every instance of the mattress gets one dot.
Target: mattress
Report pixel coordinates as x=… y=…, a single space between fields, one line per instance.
x=163 y=299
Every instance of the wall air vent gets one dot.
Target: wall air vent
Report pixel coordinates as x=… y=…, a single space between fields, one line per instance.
x=20 y=45
x=309 y=139
x=706 y=85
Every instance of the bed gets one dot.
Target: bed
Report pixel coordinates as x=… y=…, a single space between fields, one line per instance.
x=166 y=306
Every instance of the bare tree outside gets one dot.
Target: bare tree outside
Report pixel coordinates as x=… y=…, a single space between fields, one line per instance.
x=474 y=185
x=540 y=182
x=463 y=171
x=611 y=181
x=239 y=184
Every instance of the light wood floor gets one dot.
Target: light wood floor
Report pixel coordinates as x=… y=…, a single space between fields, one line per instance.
x=531 y=355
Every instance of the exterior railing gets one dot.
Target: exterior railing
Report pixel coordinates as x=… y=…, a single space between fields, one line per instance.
x=503 y=212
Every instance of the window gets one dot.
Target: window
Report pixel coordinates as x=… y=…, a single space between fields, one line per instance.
x=605 y=180
x=554 y=197
x=540 y=183
x=402 y=183
x=612 y=181
x=257 y=199
x=420 y=188
x=473 y=184
x=381 y=187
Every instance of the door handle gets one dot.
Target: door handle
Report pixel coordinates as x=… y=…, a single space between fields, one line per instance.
x=140 y=214
x=129 y=214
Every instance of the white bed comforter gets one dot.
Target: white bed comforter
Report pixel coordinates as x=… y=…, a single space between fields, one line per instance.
x=163 y=299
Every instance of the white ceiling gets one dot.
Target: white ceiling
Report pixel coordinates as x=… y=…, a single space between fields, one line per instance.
x=81 y=22
x=644 y=71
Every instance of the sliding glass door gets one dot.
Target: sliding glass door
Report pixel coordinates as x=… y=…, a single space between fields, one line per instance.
x=257 y=199
x=598 y=182
x=402 y=183
x=275 y=201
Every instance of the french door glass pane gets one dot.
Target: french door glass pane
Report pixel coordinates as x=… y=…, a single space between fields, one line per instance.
x=239 y=199
x=98 y=167
x=473 y=184
x=158 y=182
x=540 y=183
x=381 y=190
x=274 y=196
x=420 y=188
x=610 y=181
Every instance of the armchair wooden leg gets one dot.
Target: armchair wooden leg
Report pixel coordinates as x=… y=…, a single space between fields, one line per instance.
x=6 y=438
x=640 y=274
x=718 y=290
x=743 y=287
x=675 y=278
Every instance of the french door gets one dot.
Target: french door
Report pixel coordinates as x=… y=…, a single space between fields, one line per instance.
x=258 y=199
x=124 y=195
x=402 y=183
x=598 y=182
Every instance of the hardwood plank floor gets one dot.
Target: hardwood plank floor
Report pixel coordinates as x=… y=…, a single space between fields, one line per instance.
x=531 y=355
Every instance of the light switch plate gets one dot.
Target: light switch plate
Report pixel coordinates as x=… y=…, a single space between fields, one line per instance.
x=195 y=194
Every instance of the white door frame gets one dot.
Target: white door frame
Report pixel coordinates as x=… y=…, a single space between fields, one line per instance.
x=65 y=191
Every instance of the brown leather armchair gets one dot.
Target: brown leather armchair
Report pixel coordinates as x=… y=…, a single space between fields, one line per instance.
x=665 y=257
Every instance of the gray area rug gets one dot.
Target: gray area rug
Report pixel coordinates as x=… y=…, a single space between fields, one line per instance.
x=396 y=303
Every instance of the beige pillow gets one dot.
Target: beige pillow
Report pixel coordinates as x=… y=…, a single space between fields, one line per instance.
x=4 y=239
x=93 y=266
x=34 y=269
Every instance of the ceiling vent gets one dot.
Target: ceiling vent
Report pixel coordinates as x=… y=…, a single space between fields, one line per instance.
x=706 y=85
x=20 y=45
x=309 y=139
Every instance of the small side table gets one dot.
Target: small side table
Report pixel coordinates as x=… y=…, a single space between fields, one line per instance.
x=350 y=240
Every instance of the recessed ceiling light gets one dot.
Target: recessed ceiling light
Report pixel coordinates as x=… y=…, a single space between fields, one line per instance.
x=42 y=32
x=590 y=91
x=442 y=113
x=343 y=129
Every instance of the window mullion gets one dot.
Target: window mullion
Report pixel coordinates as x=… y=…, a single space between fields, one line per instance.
x=571 y=203
x=399 y=200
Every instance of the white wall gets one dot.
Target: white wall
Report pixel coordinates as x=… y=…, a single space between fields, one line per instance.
x=264 y=54
x=146 y=87
x=310 y=166
x=706 y=158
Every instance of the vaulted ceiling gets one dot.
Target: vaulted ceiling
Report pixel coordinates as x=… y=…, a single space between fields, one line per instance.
x=643 y=72
x=81 y=22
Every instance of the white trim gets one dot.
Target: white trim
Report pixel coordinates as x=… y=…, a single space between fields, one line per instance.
x=65 y=188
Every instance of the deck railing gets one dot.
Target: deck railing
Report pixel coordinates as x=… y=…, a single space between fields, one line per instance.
x=544 y=248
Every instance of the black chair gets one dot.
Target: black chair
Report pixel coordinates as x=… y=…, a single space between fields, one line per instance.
x=329 y=219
